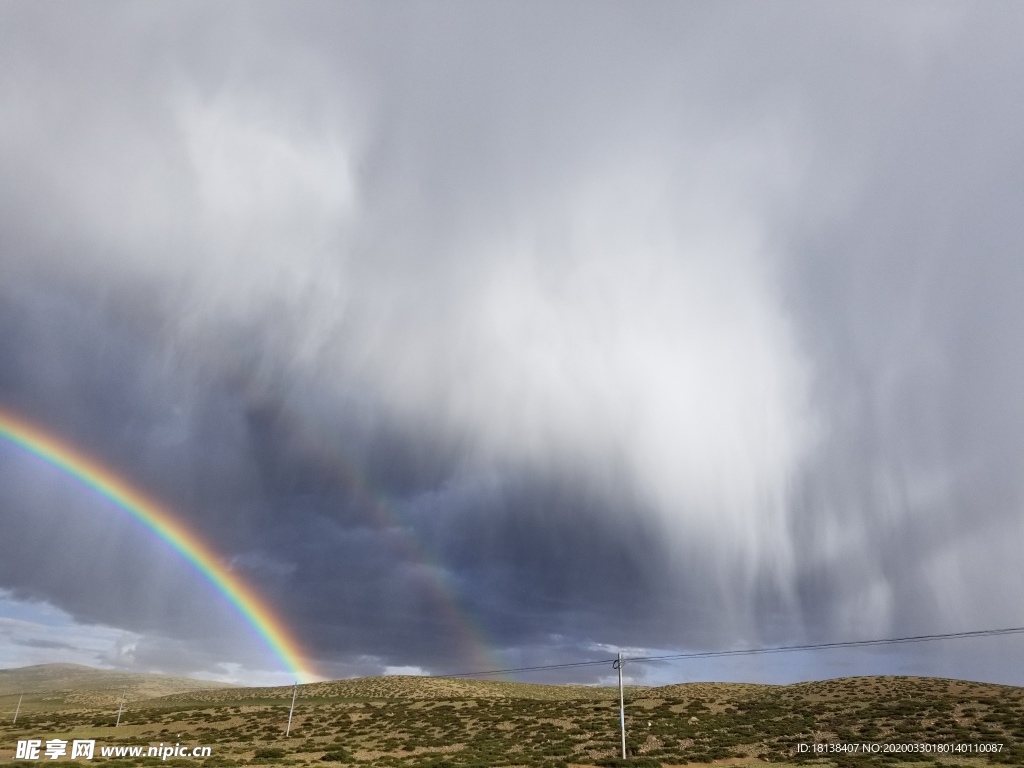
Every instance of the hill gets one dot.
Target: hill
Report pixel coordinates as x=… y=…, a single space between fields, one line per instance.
x=415 y=722
x=76 y=685
x=402 y=687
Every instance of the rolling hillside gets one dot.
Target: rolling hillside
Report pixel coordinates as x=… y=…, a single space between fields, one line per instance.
x=414 y=722
x=76 y=685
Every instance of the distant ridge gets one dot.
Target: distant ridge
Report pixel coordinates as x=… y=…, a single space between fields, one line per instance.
x=75 y=684
x=407 y=687
x=412 y=688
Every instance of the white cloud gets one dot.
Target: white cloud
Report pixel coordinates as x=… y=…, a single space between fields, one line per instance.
x=415 y=671
x=35 y=632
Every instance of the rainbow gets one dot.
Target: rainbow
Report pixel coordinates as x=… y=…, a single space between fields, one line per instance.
x=469 y=635
x=163 y=522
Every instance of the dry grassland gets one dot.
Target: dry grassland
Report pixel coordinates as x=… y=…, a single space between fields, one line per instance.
x=407 y=722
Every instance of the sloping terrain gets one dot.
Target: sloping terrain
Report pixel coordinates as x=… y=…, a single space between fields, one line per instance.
x=408 y=688
x=409 y=722
x=76 y=685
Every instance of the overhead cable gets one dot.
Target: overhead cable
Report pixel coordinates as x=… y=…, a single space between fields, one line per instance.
x=753 y=651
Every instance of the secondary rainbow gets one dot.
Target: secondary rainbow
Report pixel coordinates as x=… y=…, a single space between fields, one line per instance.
x=161 y=521
x=468 y=634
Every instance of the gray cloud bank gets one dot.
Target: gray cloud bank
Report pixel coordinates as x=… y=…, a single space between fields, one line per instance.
x=652 y=325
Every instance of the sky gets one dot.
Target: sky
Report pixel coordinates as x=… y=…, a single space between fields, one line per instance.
x=478 y=336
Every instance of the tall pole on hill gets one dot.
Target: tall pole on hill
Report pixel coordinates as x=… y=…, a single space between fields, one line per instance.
x=622 y=704
x=295 y=691
x=17 y=709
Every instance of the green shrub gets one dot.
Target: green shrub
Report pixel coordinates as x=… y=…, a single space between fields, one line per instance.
x=272 y=752
x=338 y=756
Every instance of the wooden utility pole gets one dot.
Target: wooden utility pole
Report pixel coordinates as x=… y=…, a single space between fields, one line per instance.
x=295 y=691
x=120 y=708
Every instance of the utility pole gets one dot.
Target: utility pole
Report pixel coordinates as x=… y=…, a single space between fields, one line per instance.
x=295 y=691
x=622 y=704
x=17 y=709
x=120 y=709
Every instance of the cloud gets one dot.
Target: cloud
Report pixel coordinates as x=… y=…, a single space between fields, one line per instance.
x=30 y=631
x=417 y=671
x=537 y=330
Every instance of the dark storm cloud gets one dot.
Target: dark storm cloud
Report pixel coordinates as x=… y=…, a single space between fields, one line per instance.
x=589 y=325
x=319 y=528
x=82 y=375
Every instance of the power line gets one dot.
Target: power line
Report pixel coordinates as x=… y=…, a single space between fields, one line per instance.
x=843 y=644
x=529 y=669
x=755 y=651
